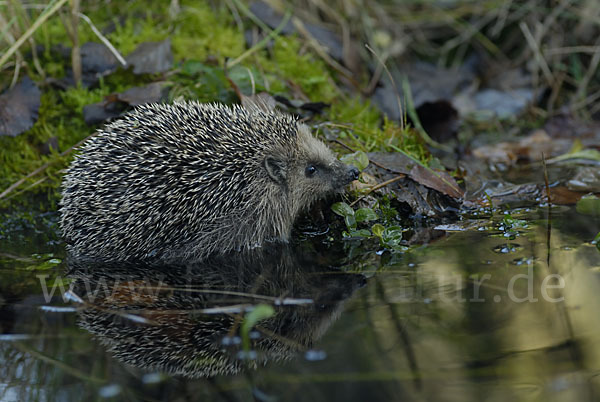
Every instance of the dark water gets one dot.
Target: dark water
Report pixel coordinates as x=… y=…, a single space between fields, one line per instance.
x=488 y=313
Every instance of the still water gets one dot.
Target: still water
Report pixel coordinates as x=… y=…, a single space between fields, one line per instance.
x=493 y=309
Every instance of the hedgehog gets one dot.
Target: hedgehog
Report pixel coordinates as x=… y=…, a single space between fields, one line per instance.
x=188 y=180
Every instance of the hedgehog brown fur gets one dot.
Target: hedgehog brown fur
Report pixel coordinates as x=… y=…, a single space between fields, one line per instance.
x=191 y=179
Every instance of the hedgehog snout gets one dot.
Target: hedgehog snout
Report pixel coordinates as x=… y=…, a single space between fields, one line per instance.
x=346 y=175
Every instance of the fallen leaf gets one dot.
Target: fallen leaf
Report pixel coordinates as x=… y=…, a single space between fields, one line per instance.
x=328 y=39
x=437 y=180
x=151 y=57
x=150 y=93
x=97 y=59
x=114 y=105
x=19 y=108
x=529 y=148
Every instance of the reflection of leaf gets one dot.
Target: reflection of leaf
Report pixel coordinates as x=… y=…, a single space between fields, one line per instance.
x=585 y=154
x=596 y=241
x=358 y=159
x=365 y=215
x=589 y=205
x=259 y=313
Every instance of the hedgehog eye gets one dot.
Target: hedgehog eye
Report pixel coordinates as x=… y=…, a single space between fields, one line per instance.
x=310 y=170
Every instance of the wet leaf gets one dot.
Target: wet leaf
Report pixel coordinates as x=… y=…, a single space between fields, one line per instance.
x=435 y=179
x=358 y=159
x=342 y=209
x=365 y=215
x=151 y=57
x=564 y=196
x=19 y=108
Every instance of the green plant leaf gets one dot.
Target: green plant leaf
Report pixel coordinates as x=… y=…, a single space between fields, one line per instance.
x=392 y=236
x=358 y=159
x=350 y=221
x=365 y=215
x=377 y=230
x=342 y=209
x=359 y=233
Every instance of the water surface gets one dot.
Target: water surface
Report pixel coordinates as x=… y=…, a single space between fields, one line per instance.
x=487 y=313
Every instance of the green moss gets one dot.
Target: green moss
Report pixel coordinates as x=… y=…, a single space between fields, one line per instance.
x=201 y=32
x=126 y=37
x=297 y=65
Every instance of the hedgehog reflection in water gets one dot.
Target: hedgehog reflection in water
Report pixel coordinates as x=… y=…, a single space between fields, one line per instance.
x=189 y=180
x=179 y=336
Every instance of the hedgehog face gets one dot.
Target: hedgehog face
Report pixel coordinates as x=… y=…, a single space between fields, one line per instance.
x=311 y=173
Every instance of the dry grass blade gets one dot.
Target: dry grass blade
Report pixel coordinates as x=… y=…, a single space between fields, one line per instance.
x=41 y=19
x=262 y=43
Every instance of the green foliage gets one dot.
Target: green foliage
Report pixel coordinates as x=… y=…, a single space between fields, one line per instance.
x=388 y=233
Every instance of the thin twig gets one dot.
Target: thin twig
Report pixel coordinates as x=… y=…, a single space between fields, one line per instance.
x=377 y=187
x=262 y=43
x=535 y=48
x=106 y=42
x=76 y=50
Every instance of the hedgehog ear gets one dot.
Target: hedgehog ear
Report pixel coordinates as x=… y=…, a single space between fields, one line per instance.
x=275 y=169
